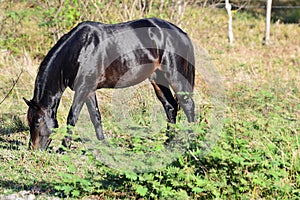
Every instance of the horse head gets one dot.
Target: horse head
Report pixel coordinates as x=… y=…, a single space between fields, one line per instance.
x=40 y=125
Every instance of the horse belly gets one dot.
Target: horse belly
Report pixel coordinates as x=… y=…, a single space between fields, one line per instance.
x=121 y=77
x=133 y=65
x=135 y=75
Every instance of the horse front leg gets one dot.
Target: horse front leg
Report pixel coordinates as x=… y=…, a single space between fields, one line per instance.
x=95 y=116
x=78 y=101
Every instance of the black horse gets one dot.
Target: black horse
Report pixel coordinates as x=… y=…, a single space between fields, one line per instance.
x=95 y=55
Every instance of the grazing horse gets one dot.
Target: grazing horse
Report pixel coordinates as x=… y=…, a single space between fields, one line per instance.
x=95 y=55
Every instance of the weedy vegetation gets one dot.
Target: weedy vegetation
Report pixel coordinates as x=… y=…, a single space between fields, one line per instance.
x=255 y=153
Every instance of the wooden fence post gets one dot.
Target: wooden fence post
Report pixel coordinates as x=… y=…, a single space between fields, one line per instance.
x=268 y=22
x=230 y=33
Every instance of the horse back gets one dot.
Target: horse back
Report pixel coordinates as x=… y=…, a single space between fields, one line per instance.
x=96 y=48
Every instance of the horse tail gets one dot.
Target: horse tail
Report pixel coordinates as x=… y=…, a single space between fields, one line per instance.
x=187 y=67
x=189 y=72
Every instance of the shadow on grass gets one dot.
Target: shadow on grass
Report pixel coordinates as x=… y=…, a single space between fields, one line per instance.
x=10 y=123
x=11 y=144
x=44 y=188
x=37 y=188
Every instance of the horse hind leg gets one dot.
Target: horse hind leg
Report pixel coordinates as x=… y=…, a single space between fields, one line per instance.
x=164 y=94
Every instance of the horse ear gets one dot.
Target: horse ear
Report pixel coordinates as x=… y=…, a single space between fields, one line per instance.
x=31 y=104
x=27 y=102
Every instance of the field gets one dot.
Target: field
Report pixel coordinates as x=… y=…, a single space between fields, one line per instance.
x=244 y=144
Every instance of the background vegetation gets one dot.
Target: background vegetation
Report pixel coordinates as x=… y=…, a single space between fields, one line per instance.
x=257 y=154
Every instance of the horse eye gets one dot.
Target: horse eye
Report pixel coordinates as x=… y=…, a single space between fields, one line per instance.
x=41 y=119
x=36 y=124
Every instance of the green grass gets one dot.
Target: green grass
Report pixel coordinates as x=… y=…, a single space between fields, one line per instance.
x=245 y=146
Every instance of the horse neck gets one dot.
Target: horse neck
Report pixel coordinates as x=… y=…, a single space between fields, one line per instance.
x=47 y=94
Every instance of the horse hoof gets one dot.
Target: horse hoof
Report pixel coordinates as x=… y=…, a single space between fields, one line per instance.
x=61 y=150
x=100 y=137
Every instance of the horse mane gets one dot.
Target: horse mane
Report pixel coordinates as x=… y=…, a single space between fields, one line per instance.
x=49 y=63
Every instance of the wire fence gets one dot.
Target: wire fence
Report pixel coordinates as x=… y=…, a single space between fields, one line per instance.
x=222 y=5
x=274 y=7
x=262 y=5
